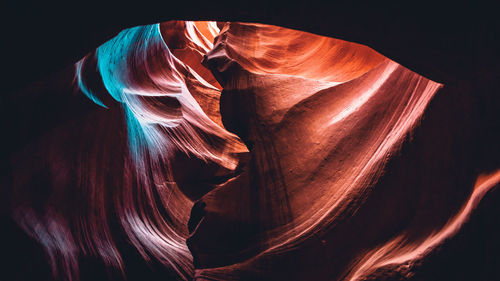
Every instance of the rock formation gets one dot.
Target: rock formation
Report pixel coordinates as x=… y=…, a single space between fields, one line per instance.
x=226 y=151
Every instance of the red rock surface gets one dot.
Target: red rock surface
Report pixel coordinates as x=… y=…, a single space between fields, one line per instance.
x=253 y=152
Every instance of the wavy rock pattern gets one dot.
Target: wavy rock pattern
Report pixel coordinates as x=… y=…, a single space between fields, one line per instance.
x=226 y=150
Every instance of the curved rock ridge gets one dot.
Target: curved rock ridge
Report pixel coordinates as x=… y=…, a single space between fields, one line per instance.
x=267 y=49
x=158 y=111
x=319 y=138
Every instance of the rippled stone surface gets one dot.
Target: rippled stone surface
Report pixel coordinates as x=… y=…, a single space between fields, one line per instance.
x=237 y=151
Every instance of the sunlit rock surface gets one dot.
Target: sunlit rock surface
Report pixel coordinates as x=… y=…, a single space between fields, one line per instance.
x=234 y=151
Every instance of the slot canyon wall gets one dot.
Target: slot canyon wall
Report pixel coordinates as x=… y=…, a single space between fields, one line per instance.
x=204 y=150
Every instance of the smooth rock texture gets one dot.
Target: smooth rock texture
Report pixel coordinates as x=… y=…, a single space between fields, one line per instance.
x=242 y=151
